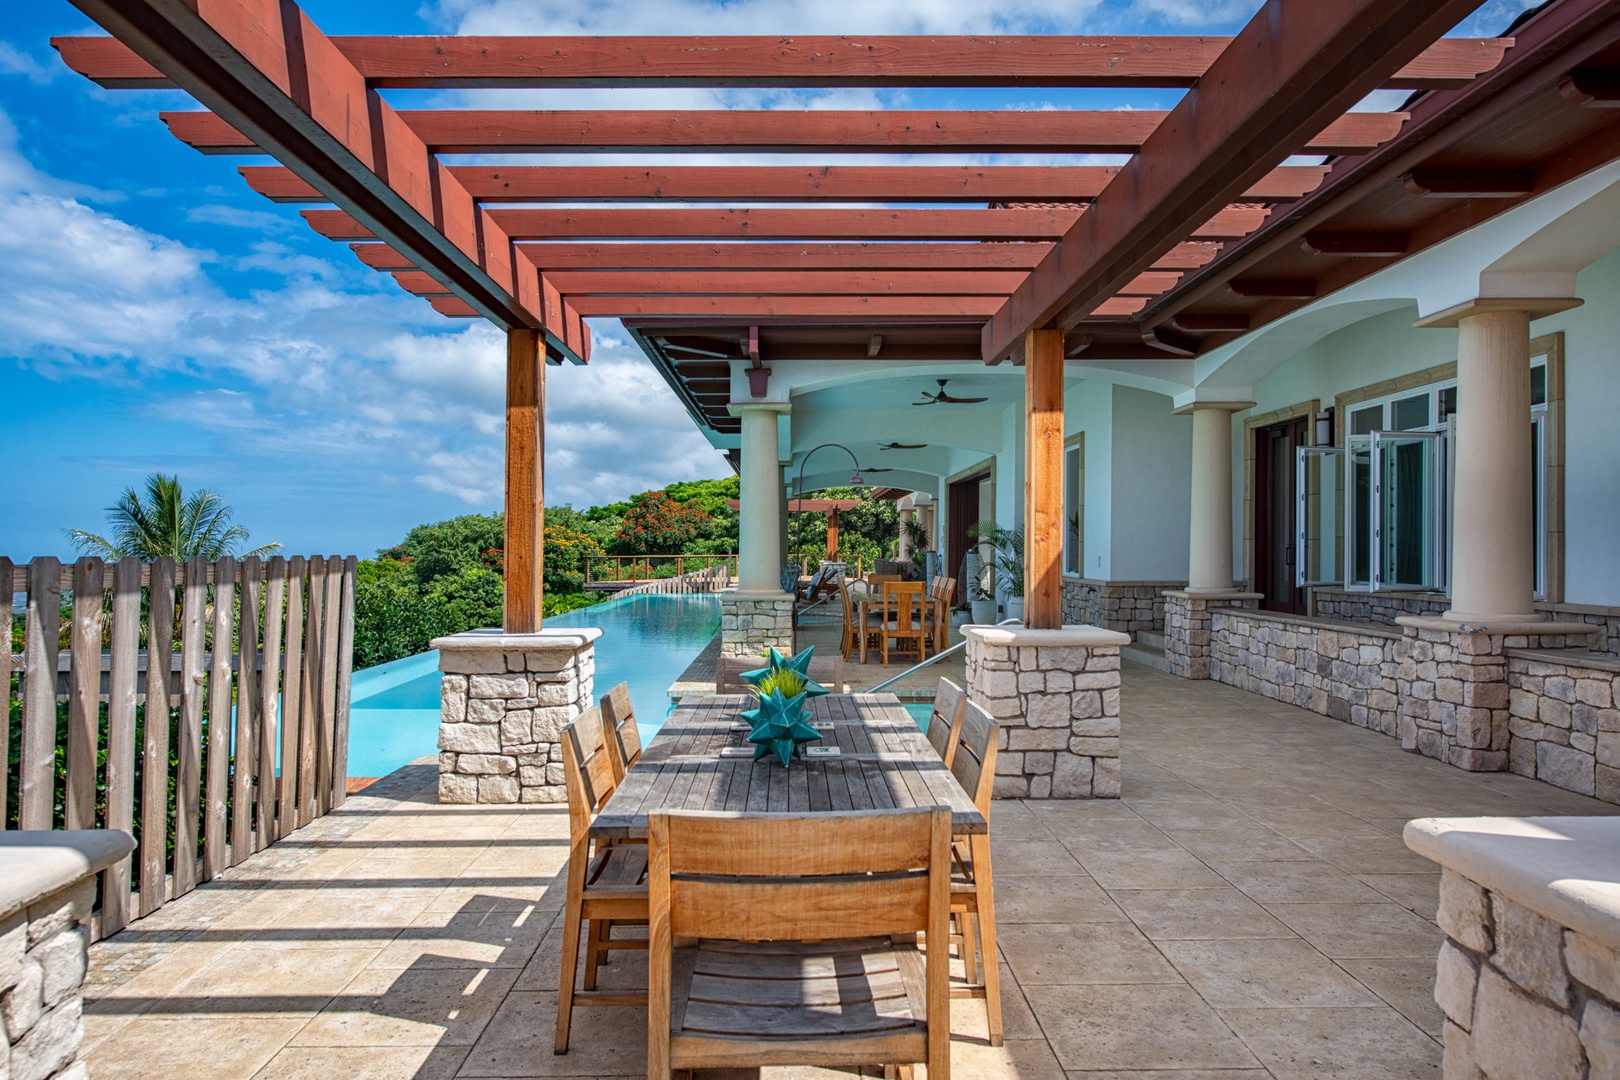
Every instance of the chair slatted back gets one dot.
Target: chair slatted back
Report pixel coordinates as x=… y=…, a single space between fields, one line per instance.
x=878 y=582
x=804 y=877
x=945 y=722
x=897 y=598
x=728 y=673
x=974 y=764
x=849 y=605
x=587 y=771
x=829 y=672
x=620 y=731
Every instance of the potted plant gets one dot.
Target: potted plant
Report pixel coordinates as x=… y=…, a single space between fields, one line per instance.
x=980 y=586
x=1007 y=547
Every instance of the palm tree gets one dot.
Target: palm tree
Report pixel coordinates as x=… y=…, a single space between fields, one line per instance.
x=167 y=522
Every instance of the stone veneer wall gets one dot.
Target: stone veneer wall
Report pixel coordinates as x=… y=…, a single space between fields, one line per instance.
x=1130 y=607
x=1055 y=694
x=1563 y=723
x=1523 y=996
x=503 y=702
x=751 y=624
x=42 y=963
x=1385 y=608
x=1346 y=672
x=1188 y=625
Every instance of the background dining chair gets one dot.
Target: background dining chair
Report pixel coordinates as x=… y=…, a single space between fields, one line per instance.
x=945 y=720
x=606 y=884
x=973 y=902
x=901 y=621
x=619 y=729
x=937 y=617
x=794 y=963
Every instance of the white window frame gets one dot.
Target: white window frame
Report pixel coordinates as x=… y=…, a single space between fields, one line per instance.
x=1074 y=502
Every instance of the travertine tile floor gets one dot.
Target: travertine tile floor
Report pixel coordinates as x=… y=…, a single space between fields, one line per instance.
x=1247 y=909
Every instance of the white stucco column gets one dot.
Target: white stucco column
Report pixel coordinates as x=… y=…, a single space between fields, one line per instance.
x=1209 y=557
x=1493 y=543
x=759 y=565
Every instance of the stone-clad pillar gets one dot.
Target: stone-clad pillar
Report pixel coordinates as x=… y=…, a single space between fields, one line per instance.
x=503 y=702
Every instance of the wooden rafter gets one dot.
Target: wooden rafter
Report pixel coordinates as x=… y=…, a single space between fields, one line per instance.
x=894 y=61
x=679 y=257
x=816 y=283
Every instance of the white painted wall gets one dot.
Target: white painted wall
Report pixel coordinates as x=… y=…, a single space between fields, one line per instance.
x=1088 y=406
x=1151 y=498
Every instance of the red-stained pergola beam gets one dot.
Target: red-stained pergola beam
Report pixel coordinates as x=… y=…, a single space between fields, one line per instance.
x=264 y=68
x=892 y=61
x=1000 y=225
x=1293 y=67
x=681 y=257
x=815 y=283
x=878 y=131
x=737 y=183
x=903 y=309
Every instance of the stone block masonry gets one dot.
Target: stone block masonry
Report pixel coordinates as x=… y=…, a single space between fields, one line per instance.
x=751 y=624
x=1131 y=607
x=47 y=886
x=1055 y=694
x=1188 y=628
x=1528 y=974
x=503 y=702
x=1564 y=719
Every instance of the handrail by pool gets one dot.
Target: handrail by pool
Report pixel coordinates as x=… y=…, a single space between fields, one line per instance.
x=937 y=656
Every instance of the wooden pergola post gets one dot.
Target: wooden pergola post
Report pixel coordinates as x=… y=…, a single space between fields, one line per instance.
x=525 y=479
x=832 y=533
x=1043 y=479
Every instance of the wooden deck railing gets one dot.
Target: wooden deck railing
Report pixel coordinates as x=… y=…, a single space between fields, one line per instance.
x=613 y=571
x=716 y=578
x=239 y=738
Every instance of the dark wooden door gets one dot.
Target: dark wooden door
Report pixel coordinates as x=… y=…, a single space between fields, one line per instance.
x=1275 y=499
x=961 y=516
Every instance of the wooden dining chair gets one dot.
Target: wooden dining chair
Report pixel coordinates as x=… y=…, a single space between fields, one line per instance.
x=901 y=621
x=973 y=902
x=878 y=582
x=945 y=720
x=851 y=640
x=937 y=613
x=607 y=884
x=728 y=673
x=796 y=937
x=620 y=731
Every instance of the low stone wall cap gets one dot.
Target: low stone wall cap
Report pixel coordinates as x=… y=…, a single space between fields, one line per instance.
x=35 y=863
x=569 y=637
x=1069 y=637
x=1565 y=868
x=1502 y=627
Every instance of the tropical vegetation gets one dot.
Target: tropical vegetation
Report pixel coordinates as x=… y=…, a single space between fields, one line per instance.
x=168 y=522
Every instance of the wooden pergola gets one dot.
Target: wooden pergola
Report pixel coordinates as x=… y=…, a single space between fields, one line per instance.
x=1206 y=232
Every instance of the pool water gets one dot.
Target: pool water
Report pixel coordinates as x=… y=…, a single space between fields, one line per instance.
x=646 y=641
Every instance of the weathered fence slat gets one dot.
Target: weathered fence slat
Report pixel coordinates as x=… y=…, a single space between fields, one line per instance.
x=292 y=698
x=155 y=740
x=275 y=600
x=309 y=719
x=331 y=611
x=218 y=784
x=8 y=593
x=244 y=762
x=84 y=696
x=345 y=654
x=193 y=687
x=121 y=689
x=36 y=782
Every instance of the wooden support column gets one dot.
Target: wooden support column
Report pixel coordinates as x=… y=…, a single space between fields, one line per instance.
x=525 y=479
x=1043 y=479
x=832 y=533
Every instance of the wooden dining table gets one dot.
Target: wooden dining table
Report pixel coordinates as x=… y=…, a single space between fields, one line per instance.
x=702 y=760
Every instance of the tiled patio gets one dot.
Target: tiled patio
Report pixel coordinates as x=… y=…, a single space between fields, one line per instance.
x=1246 y=910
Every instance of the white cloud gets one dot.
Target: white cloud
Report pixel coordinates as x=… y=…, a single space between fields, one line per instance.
x=13 y=61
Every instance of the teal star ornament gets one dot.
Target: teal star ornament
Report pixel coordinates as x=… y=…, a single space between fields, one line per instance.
x=799 y=664
x=779 y=726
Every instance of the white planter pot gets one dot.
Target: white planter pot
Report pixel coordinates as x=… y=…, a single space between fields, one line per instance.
x=983 y=612
x=958 y=619
x=1015 y=608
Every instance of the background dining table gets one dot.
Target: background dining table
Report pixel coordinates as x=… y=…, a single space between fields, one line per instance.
x=702 y=760
x=863 y=602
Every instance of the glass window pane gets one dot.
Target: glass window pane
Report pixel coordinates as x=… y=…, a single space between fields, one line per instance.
x=1448 y=404
x=1410 y=414
x=1073 y=513
x=1408 y=509
x=1359 y=502
x=1321 y=506
x=1367 y=420
x=1538 y=385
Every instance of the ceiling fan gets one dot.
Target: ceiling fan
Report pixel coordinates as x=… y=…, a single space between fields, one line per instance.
x=942 y=398
x=903 y=445
x=876 y=470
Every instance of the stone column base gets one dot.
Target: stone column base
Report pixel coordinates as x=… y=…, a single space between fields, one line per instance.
x=1187 y=626
x=1453 y=686
x=750 y=623
x=503 y=702
x=1055 y=694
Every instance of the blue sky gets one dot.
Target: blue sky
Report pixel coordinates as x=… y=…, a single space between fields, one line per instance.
x=159 y=316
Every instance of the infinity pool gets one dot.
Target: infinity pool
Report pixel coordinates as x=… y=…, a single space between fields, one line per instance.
x=646 y=641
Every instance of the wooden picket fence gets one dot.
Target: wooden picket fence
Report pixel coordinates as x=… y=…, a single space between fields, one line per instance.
x=207 y=753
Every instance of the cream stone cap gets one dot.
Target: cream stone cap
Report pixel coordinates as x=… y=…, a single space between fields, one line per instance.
x=34 y=863
x=1069 y=637
x=492 y=640
x=1565 y=868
